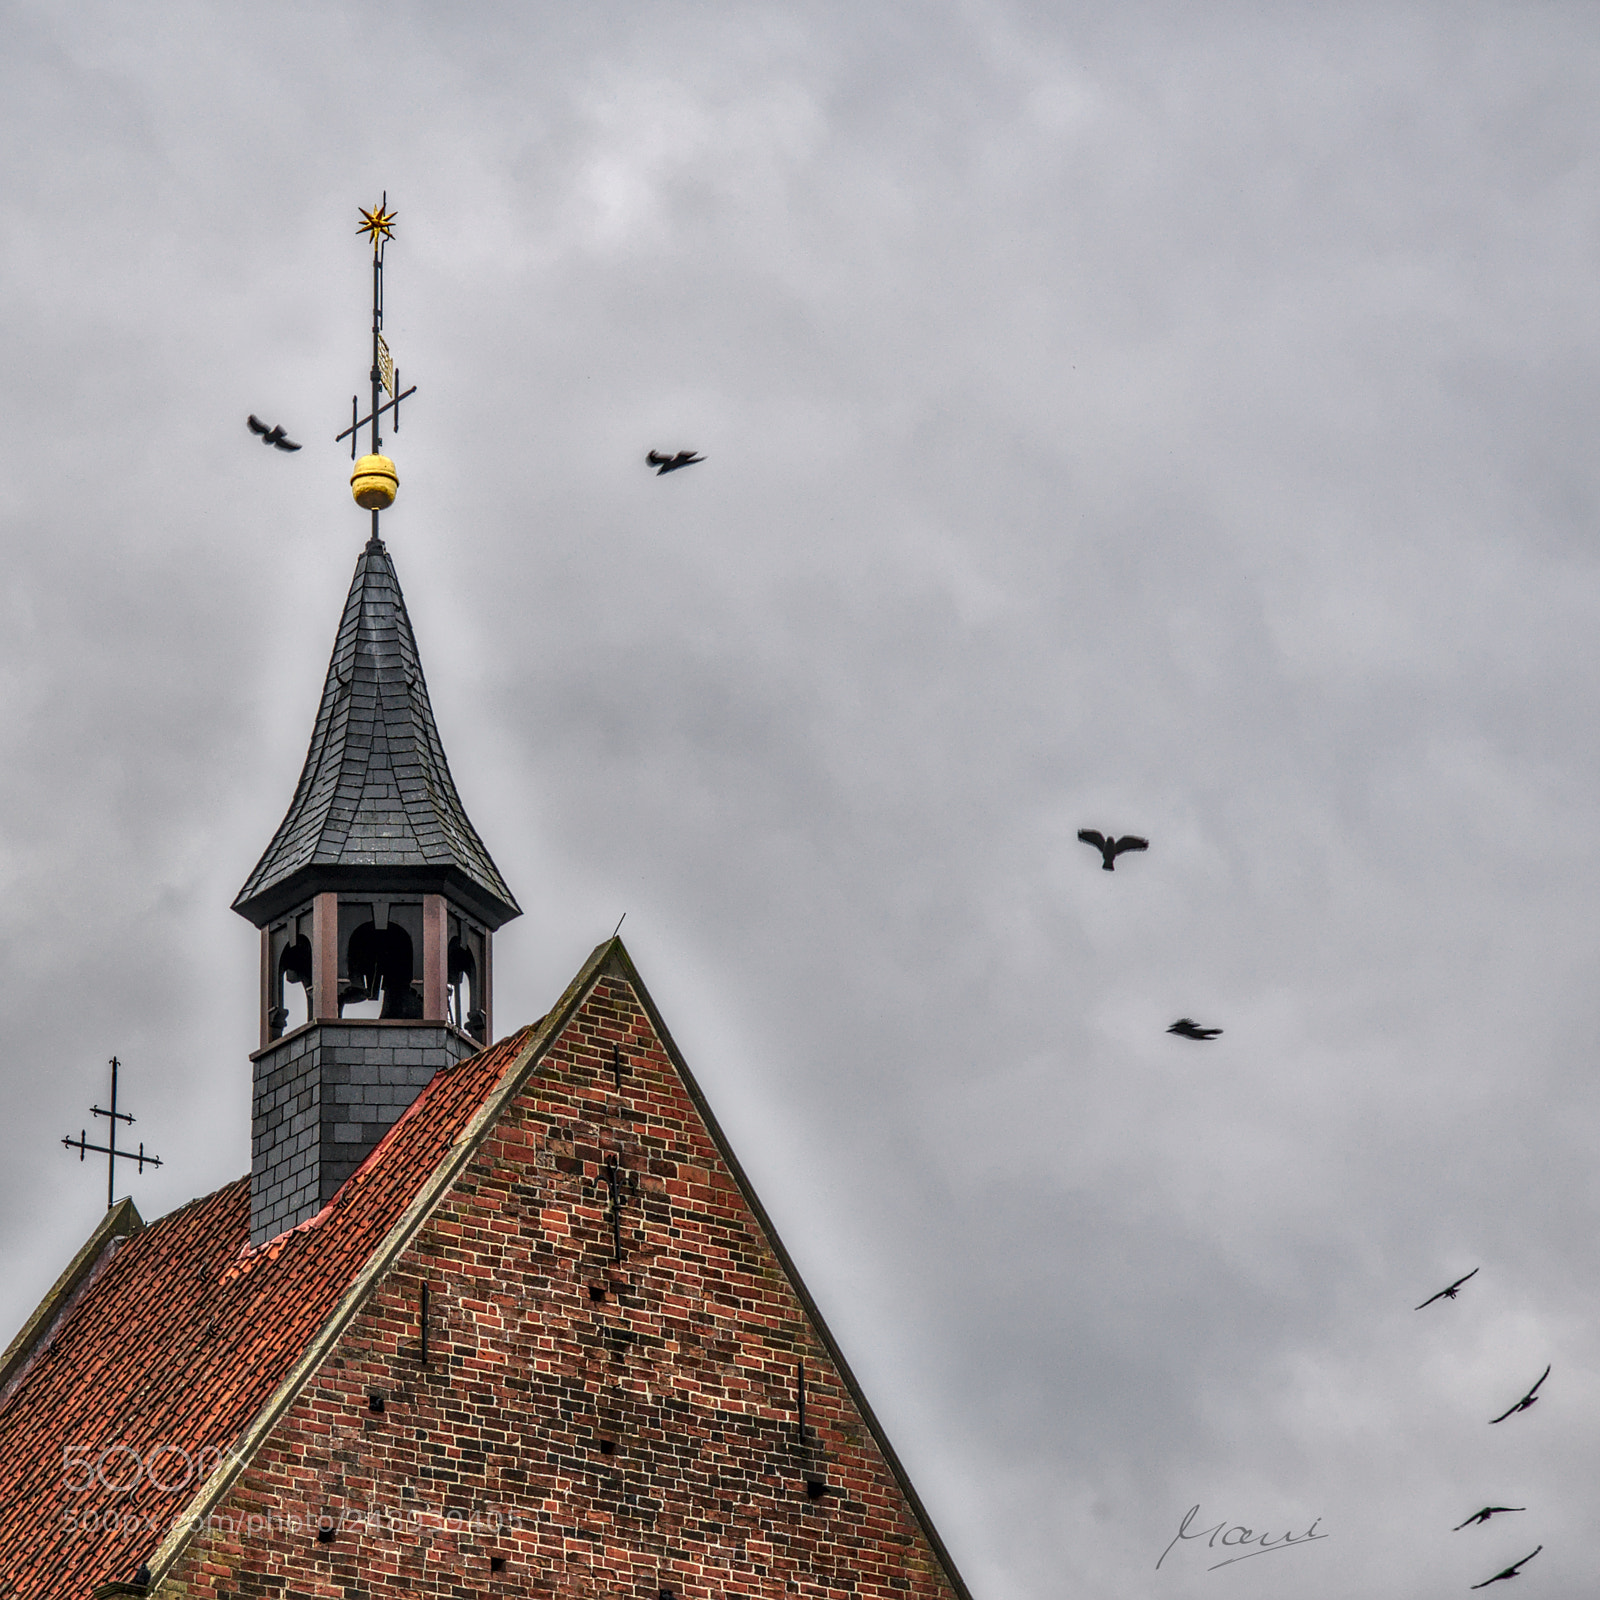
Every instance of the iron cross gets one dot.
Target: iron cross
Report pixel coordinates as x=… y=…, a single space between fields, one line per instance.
x=109 y=1149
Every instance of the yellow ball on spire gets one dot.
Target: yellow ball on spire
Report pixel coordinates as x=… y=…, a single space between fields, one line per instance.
x=374 y=483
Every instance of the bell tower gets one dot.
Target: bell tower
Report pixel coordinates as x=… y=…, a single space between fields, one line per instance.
x=376 y=900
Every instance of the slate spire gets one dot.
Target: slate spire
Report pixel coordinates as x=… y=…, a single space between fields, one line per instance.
x=375 y=802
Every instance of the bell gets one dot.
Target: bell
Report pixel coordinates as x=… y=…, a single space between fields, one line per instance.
x=374 y=483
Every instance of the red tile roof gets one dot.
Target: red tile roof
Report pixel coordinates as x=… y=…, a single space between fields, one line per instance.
x=183 y=1338
x=188 y=1345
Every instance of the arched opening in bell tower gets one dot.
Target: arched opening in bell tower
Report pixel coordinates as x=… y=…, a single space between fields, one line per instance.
x=293 y=1001
x=467 y=978
x=463 y=985
x=287 y=990
x=377 y=981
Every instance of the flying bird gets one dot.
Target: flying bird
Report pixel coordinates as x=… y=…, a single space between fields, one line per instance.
x=273 y=435
x=665 y=464
x=1110 y=849
x=1530 y=1398
x=1510 y=1571
x=1447 y=1294
x=1484 y=1515
x=1188 y=1028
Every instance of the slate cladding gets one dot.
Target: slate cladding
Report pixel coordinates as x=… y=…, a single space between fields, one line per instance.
x=445 y=1385
x=376 y=791
x=324 y=1096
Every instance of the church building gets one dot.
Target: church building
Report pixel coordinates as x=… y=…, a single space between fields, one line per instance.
x=487 y=1316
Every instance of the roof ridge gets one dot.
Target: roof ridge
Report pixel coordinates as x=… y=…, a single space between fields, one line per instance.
x=120 y=1221
x=249 y=1253
x=432 y=1191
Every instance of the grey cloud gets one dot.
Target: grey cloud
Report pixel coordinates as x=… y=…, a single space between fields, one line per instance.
x=1159 y=418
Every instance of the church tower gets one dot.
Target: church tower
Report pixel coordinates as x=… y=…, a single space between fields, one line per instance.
x=542 y=1339
x=376 y=900
x=377 y=904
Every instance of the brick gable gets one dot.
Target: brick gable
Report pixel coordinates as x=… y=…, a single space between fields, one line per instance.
x=495 y=1448
x=185 y=1336
x=185 y=1377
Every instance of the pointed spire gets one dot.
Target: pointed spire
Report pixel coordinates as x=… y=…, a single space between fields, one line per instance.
x=376 y=802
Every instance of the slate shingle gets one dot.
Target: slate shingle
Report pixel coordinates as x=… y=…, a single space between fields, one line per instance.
x=376 y=789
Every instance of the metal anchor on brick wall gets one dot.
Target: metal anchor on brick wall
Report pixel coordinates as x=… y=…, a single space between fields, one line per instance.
x=617 y=1180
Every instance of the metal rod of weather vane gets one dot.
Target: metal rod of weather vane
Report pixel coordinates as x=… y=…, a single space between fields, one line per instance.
x=111 y=1163
x=377 y=323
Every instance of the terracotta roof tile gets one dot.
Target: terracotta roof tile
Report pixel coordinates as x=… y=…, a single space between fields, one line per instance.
x=185 y=1335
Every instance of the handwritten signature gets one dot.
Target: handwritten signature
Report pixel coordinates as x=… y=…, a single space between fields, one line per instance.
x=1245 y=1536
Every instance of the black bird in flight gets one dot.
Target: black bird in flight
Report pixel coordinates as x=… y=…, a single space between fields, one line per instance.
x=1447 y=1294
x=1110 y=849
x=1530 y=1398
x=1188 y=1028
x=1510 y=1571
x=1484 y=1515
x=273 y=435
x=665 y=464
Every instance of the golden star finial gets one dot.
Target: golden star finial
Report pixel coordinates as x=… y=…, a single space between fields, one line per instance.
x=379 y=222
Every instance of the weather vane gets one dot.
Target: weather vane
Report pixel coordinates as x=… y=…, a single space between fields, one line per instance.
x=109 y=1149
x=374 y=481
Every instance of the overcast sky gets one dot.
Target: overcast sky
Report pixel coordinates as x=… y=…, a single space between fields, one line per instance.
x=1176 y=419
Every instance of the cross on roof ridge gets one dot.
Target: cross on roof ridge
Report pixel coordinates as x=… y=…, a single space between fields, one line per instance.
x=109 y=1149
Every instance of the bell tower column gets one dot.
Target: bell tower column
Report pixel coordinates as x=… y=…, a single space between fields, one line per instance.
x=435 y=942
x=325 y=958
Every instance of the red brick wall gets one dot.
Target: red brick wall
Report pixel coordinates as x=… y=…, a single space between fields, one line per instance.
x=493 y=1450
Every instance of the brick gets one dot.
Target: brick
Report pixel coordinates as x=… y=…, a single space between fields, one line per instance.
x=493 y=1447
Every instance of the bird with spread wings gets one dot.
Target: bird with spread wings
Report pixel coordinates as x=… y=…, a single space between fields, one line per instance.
x=1188 y=1028
x=1447 y=1294
x=1484 y=1515
x=1110 y=848
x=273 y=435
x=665 y=464
x=1530 y=1398
x=1511 y=1571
